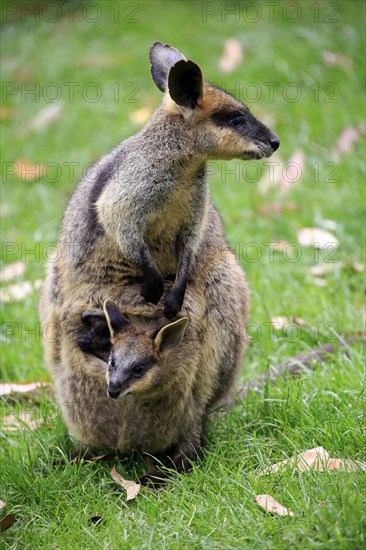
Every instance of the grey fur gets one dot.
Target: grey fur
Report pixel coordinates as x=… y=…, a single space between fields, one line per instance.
x=143 y=213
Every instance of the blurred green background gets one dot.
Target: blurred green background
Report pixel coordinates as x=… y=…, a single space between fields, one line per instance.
x=76 y=81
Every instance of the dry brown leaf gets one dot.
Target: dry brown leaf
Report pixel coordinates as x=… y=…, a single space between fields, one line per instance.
x=27 y=170
x=13 y=423
x=357 y=267
x=276 y=208
x=131 y=487
x=318 y=281
x=16 y=292
x=272 y=177
x=6 y=113
x=292 y=172
x=334 y=60
x=8 y=388
x=45 y=117
x=11 y=271
x=322 y=269
x=279 y=323
x=140 y=116
x=269 y=504
x=232 y=56
x=317 y=460
x=316 y=237
x=6 y=522
x=346 y=140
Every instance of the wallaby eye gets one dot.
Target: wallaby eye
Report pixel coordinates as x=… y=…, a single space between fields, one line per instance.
x=237 y=121
x=138 y=370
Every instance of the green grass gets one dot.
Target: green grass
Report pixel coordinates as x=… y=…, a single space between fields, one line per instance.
x=214 y=507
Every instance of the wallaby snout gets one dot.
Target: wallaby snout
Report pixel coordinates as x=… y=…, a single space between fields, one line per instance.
x=114 y=390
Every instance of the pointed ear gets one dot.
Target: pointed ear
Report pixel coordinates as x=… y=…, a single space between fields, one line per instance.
x=115 y=318
x=185 y=83
x=162 y=59
x=95 y=321
x=170 y=336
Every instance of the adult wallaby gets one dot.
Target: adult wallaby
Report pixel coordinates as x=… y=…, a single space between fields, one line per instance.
x=143 y=209
x=144 y=214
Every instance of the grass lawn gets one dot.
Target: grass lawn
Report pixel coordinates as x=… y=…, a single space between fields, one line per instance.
x=303 y=74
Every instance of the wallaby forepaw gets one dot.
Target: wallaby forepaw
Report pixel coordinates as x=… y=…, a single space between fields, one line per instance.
x=172 y=304
x=152 y=291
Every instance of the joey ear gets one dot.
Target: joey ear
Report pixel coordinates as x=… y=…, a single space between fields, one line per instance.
x=95 y=321
x=162 y=59
x=185 y=84
x=115 y=318
x=170 y=336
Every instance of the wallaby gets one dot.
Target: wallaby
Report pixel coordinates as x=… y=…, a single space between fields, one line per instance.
x=143 y=209
x=144 y=214
x=167 y=375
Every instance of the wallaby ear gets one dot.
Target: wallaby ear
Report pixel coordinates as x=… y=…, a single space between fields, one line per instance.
x=115 y=318
x=162 y=59
x=95 y=321
x=185 y=84
x=170 y=336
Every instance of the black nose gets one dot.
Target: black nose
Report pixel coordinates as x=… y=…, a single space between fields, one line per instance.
x=275 y=142
x=113 y=392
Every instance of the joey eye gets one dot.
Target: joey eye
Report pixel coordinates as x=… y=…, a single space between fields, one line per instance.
x=237 y=121
x=138 y=370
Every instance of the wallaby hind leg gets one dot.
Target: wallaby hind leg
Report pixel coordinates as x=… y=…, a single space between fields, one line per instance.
x=179 y=458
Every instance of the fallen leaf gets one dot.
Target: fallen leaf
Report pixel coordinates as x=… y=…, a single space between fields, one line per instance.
x=334 y=60
x=140 y=116
x=356 y=266
x=16 y=292
x=269 y=504
x=232 y=56
x=322 y=269
x=276 y=208
x=272 y=177
x=6 y=522
x=317 y=460
x=346 y=140
x=11 y=271
x=292 y=171
x=316 y=237
x=13 y=423
x=281 y=322
x=131 y=487
x=7 y=389
x=27 y=170
x=45 y=117
x=6 y=113
x=318 y=281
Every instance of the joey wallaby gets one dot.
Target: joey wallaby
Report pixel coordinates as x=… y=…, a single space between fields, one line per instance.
x=127 y=378
x=142 y=211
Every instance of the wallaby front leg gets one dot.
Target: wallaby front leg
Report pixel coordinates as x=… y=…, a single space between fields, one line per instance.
x=152 y=286
x=173 y=301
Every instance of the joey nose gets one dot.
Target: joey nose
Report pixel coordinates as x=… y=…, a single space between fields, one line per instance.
x=275 y=142
x=113 y=391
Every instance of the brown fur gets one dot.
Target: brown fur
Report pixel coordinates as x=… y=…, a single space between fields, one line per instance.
x=143 y=215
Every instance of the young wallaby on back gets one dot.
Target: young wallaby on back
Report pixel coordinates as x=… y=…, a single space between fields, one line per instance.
x=143 y=209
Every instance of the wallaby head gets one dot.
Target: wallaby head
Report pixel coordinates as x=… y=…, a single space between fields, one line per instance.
x=137 y=355
x=221 y=126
